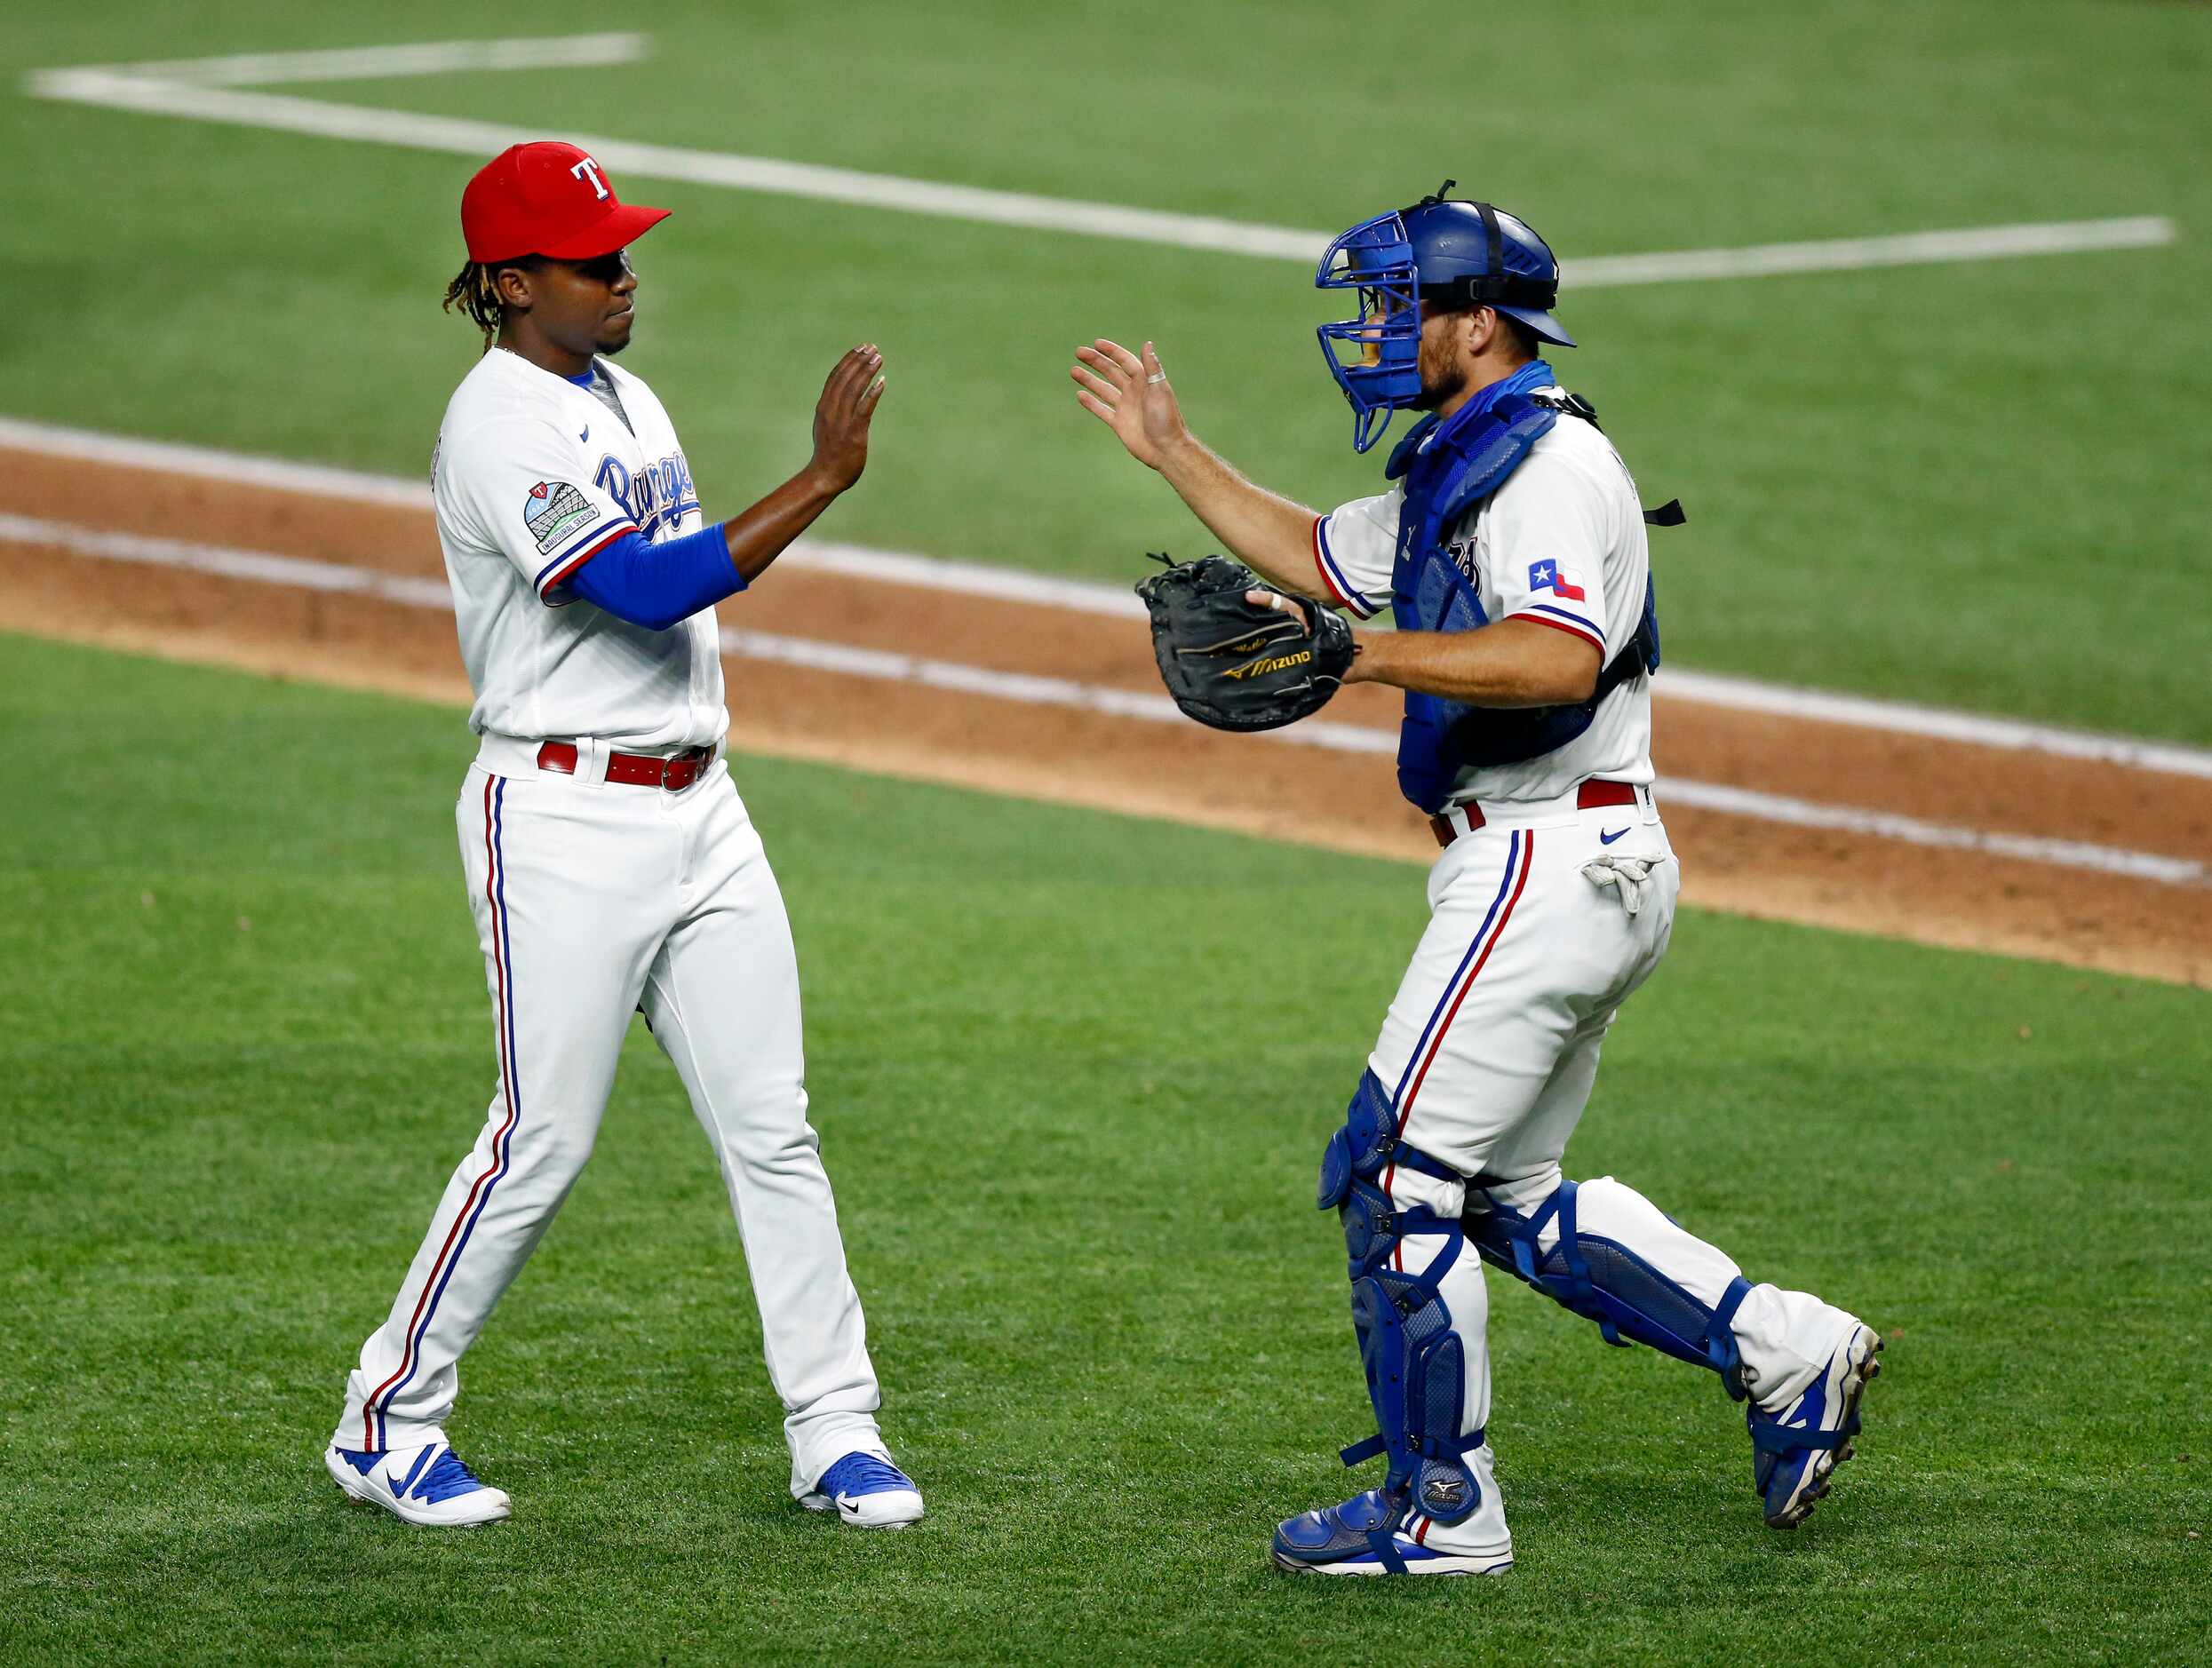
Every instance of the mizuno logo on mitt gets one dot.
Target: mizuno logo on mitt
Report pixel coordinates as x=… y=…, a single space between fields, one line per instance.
x=1276 y=663
x=1235 y=663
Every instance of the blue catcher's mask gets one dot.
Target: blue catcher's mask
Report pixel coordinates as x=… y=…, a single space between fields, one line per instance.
x=1382 y=374
x=1450 y=254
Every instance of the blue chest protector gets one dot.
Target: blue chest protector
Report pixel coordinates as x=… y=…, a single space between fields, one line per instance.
x=1448 y=468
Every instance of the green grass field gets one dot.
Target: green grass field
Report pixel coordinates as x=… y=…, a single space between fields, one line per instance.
x=247 y=1041
x=1976 y=484
x=246 y=1035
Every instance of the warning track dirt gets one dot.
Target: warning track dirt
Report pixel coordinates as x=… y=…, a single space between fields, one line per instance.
x=2019 y=848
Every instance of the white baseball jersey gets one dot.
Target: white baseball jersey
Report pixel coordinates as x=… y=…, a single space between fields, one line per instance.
x=597 y=899
x=1561 y=543
x=533 y=476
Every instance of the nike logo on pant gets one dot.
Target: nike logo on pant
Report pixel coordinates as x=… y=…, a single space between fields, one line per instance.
x=1607 y=839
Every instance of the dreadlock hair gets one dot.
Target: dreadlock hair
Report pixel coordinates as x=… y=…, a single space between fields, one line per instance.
x=474 y=289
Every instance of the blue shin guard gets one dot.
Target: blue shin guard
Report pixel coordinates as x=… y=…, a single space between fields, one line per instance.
x=1605 y=1282
x=1415 y=1364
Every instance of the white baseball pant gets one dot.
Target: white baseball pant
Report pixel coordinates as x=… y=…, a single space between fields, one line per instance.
x=592 y=899
x=1540 y=929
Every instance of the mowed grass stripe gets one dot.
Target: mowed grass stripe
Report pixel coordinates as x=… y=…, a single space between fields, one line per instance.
x=248 y=1041
x=203 y=89
x=1895 y=488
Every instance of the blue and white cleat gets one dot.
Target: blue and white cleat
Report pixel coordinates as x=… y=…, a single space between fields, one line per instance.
x=1365 y=1537
x=1796 y=1451
x=868 y=1491
x=428 y=1484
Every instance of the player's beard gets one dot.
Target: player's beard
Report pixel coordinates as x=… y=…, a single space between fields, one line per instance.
x=1442 y=375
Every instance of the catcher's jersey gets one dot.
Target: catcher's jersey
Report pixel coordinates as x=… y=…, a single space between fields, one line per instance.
x=533 y=476
x=1561 y=543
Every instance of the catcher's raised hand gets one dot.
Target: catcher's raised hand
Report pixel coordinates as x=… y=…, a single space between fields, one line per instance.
x=1130 y=395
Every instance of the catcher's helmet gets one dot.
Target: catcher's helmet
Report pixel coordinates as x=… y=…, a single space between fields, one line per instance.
x=1441 y=252
x=1471 y=254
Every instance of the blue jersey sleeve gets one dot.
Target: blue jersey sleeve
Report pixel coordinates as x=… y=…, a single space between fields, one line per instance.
x=656 y=585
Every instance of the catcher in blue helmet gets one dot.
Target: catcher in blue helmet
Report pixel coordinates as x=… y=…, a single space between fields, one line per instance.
x=1440 y=259
x=1510 y=546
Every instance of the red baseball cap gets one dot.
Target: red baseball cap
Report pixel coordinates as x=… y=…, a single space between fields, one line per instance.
x=548 y=198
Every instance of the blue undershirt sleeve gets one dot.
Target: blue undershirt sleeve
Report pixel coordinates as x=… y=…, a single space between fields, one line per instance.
x=656 y=585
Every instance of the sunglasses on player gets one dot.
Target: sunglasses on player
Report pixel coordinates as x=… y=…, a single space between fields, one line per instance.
x=605 y=269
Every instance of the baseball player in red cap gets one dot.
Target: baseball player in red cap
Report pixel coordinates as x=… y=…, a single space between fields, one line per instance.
x=611 y=867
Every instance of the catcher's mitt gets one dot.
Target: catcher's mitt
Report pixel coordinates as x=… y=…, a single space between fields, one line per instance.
x=1236 y=664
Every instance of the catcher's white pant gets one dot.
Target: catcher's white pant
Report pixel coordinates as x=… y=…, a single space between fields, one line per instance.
x=1541 y=928
x=592 y=899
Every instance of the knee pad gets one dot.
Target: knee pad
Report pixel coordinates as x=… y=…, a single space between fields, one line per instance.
x=1605 y=1282
x=1368 y=1143
x=1415 y=1364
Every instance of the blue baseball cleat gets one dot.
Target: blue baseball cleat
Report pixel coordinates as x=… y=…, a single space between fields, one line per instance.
x=424 y=1484
x=1796 y=1451
x=869 y=1491
x=1363 y=1536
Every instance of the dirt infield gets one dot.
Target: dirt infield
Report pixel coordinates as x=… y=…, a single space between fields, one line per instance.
x=1276 y=787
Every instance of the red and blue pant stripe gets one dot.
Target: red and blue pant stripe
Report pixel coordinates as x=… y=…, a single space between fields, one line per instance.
x=1520 y=853
x=472 y=1209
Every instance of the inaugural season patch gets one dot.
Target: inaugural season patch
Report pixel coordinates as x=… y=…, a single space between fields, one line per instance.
x=552 y=512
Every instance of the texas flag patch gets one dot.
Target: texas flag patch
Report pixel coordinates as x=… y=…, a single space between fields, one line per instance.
x=1548 y=575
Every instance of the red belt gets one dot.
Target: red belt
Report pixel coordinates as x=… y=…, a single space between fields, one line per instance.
x=675 y=773
x=1590 y=796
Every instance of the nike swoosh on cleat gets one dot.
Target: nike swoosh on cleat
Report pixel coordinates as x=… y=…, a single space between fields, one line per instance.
x=1607 y=839
x=399 y=1492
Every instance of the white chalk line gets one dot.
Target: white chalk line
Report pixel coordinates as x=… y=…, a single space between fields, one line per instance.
x=369 y=63
x=207 y=90
x=206 y=463
x=297 y=572
x=1086 y=596
x=1030 y=690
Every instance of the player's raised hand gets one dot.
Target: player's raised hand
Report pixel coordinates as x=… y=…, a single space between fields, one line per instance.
x=841 y=416
x=1130 y=395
